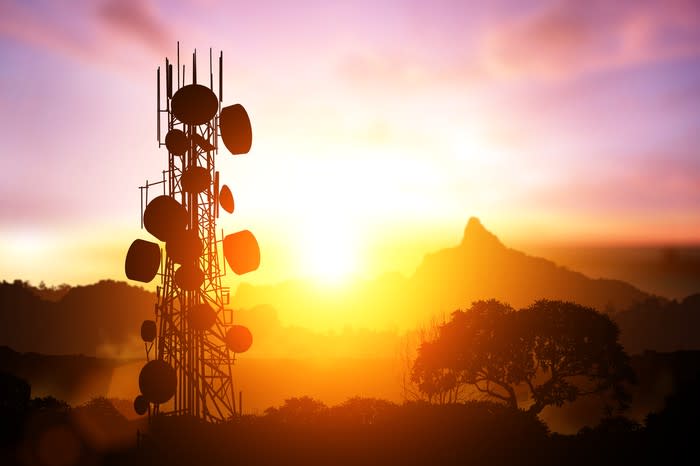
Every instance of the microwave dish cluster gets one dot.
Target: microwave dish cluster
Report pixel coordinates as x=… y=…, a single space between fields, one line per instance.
x=193 y=341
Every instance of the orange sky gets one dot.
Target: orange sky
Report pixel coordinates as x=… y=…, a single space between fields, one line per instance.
x=379 y=127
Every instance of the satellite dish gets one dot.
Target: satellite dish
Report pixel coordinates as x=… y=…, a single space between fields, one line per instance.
x=140 y=405
x=202 y=317
x=202 y=142
x=239 y=339
x=176 y=142
x=148 y=331
x=157 y=381
x=164 y=216
x=235 y=129
x=184 y=247
x=194 y=104
x=242 y=252
x=226 y=199
x=142 y=261
x=189 y=277
x=195 y=180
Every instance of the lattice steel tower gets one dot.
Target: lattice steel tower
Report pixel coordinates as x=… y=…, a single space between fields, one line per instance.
x=192 y=343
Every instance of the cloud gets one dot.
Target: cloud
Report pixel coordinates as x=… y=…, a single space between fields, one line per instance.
x=574 y=37
x=86 y=30
x=45 y=27
x=137 y=19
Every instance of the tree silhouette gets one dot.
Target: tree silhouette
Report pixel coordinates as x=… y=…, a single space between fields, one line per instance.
x=576 y=350
x=555 y=351
x=359 y=410
x=300 y=410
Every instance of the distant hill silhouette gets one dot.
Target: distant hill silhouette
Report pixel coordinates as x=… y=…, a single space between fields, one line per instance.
x=480 y=267
x=661 y=325
x=102 y=318
x=671 y=271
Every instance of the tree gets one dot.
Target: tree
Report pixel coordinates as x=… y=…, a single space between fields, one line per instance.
x=303 y=410
x=364 y=411
x=576 y=350
x=421 y=380
x=555 y=351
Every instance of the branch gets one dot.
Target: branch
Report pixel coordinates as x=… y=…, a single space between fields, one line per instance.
x=491 y=393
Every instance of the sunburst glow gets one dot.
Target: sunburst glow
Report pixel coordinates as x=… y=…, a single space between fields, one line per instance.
x=330 y=253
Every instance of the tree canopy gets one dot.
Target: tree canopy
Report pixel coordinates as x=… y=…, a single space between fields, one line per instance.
x=549 y=353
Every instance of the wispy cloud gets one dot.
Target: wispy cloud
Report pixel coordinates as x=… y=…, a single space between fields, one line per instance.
x=573 y=37
x=136 y=19
x=90 y=31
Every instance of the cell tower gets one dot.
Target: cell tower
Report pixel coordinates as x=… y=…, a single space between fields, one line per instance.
x=192 y=343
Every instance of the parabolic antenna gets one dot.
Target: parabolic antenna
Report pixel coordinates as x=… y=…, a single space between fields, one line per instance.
x=239 y=339
x=189 y=277
x=202 y=142
x=242 y=252
x=226 y=199
x=195 y=180
x=235 y=129
x=188 y=342
x=157 y=381
x=148 y=331
x=142 y=261
x=140 y=405
x=164 y=216
x=176 y=142
x=184 y=247
x=202 y=317
x=194 y=104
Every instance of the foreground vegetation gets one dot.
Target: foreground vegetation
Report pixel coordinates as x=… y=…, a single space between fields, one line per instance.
x=549 y=354
x=304 y=431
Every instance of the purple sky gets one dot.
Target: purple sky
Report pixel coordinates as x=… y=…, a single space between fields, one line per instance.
x=376 y=123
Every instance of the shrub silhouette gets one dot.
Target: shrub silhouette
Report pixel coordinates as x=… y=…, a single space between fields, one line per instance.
x=298 y=410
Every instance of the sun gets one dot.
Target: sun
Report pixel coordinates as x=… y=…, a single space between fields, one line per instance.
x=330 y=254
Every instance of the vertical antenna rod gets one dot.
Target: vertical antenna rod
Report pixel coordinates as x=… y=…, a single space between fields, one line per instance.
x=211 y=75
x=168 y=79
x=194 y=67
x=158 y=104
x=221 y=77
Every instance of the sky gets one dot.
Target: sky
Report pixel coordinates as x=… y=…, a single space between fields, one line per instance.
x=379 y=128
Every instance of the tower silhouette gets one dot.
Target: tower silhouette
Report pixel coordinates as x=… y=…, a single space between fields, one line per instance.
x=192 y=343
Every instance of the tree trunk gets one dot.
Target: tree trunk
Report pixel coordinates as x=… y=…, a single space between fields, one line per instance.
x=512 y=399
x=536 y=408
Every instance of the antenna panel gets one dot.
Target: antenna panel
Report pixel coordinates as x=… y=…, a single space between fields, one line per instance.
x=239 y=339
x=184 y=247
x=142 y=261
x=202 y=317
x=165 y=217
x=176 y=142
x=157 y=381
x=189 y=277
x=194 y=104
x=226 y=199
x=236 y=131
x=242 y=252
x=195 y=180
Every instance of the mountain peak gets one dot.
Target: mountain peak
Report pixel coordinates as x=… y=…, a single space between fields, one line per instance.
x=475 y=234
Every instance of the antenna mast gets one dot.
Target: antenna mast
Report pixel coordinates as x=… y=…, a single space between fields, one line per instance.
x=192 y=343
